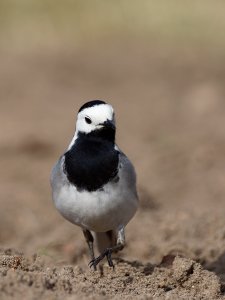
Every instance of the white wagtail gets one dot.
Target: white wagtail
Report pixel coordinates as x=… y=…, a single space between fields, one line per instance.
x=94 y=183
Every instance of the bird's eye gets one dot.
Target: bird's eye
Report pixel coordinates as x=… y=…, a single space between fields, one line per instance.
x=88 y=120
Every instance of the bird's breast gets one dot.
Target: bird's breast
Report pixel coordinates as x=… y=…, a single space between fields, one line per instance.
x=91 y=163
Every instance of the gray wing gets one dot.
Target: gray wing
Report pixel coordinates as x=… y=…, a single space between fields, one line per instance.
x=58 y=177
x=126 y=169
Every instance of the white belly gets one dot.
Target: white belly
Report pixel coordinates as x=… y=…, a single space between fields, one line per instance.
x=99 y=211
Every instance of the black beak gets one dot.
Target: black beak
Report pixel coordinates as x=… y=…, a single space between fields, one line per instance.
x=109 y=124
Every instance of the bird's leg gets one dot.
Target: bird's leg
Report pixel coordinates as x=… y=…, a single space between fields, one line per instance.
x=120 y=243
x=89 y=239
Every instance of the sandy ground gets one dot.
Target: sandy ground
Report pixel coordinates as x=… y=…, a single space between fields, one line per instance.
x=170 y=119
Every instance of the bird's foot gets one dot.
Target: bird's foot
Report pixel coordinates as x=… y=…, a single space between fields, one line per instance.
x=106 y=253
x=94 y=266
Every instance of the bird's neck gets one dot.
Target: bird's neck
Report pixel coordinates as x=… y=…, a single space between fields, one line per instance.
x=104 y=135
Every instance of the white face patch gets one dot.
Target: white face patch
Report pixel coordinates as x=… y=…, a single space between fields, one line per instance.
x=97 y=114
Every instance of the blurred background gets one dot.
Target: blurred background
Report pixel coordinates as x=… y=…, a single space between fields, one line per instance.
x=162 y=67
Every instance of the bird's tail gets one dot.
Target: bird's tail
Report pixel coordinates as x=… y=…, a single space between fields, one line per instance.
x=105 y=240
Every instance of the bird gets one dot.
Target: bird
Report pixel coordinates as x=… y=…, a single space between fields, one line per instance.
x=94 y=183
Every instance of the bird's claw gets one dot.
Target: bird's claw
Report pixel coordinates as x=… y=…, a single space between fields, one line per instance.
x=95 y=261
x=92 y=264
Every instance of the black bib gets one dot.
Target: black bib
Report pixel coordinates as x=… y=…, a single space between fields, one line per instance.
x=91 y=162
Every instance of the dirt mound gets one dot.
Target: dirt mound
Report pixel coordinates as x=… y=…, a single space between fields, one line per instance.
x=174 y=278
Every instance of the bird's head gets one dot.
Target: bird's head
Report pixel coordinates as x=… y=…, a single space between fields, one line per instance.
x=96 y=118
